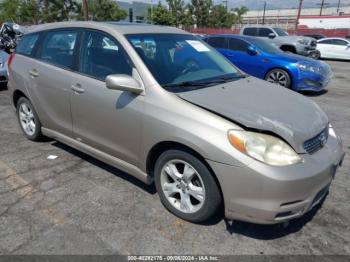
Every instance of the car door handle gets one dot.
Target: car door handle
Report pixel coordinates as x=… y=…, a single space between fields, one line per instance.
x=230 y=55
x=77 y=88
x=33 y=73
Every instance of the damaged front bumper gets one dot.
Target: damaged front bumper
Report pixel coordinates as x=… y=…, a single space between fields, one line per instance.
x=265 y=194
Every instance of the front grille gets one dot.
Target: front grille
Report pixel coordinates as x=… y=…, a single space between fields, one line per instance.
x=316 y=143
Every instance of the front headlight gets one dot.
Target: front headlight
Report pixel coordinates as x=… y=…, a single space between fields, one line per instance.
x=303 y=41
x=308 y=68
x=265 y=148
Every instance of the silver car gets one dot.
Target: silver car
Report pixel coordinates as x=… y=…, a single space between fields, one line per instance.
x=3 y=71
x=163 y=106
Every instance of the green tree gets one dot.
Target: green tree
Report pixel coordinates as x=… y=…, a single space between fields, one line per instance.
x=160 y=15
x=9 y=10
x=31 y=11
x=239 y=12
x=177 y=10
x=106 y=10
x=220 y=18
x=200 y=9
x=187 y=20
x=63 y=10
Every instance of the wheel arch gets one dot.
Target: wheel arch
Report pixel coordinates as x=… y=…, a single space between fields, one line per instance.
x=17 y=94
x=284 y=69
x=291 y=48
x=163 y=146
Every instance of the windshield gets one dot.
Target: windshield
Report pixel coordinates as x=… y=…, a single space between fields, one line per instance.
x=182 y=62
x=265 y=46
x=280 y=32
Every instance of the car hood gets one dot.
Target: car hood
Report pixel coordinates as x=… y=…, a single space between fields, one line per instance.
x=295 y=38
x=259 y=105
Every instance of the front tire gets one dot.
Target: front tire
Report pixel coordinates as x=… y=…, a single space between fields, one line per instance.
x=28 y=119
x=186 y=187
x=279 y=77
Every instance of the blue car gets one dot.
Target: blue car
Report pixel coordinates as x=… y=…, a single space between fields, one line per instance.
x=261 y=59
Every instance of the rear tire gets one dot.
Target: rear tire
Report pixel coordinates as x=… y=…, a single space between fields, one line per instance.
x=28 y=120
x=186 y=187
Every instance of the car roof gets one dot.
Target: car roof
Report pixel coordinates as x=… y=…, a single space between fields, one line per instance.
x=243 y=37
x=120 y=27
x=259 y=26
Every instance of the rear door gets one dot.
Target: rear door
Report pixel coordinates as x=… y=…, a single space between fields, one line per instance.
x=108 y=120
x=219 y=43
x=50 y=76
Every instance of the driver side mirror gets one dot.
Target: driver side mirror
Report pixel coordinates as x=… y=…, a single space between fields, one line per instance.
x=252 y=50
x=272 y=35
x=124 y=83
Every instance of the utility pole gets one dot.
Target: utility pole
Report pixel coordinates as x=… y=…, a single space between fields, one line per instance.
x=298 y=16
x=338 y=8
x=321 y=9
x=225 y=3
x=263 y=21
x=85 y=10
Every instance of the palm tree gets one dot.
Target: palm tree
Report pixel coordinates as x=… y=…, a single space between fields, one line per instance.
x=85 y=10
x=239 y=12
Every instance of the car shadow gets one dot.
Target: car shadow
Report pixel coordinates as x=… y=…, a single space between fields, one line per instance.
x=150 y=189
x=270 y=232
x=314 y=94
x=335 y=60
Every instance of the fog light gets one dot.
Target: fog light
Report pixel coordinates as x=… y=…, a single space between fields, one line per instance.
x=310 y=82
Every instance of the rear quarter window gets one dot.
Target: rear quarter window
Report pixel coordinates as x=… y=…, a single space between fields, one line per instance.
x=251 y=31
x=27 y=44
x=58 y=48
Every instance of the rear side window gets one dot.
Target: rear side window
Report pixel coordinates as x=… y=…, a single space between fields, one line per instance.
x=217 y=42
x=327 y=42
x=252 y=31
x=27 y=44
x=237 y=45
x=58 y=48
x=339 y=42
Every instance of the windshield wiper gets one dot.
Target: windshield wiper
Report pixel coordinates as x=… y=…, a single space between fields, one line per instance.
x=186 y=84
x=225 y=79
x=217 y=80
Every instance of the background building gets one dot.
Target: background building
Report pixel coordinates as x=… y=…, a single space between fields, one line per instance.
x=286 y=18
x=139 y=9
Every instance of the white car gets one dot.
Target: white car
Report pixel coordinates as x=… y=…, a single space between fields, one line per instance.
x=335 y=48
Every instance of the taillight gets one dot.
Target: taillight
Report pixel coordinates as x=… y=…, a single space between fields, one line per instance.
x=9 y=61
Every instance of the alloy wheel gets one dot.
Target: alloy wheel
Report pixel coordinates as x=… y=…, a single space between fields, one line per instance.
x=27 y=119
x=278 y=77
x=182 y=186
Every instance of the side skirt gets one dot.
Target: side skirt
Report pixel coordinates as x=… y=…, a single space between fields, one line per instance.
x=111 y=160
